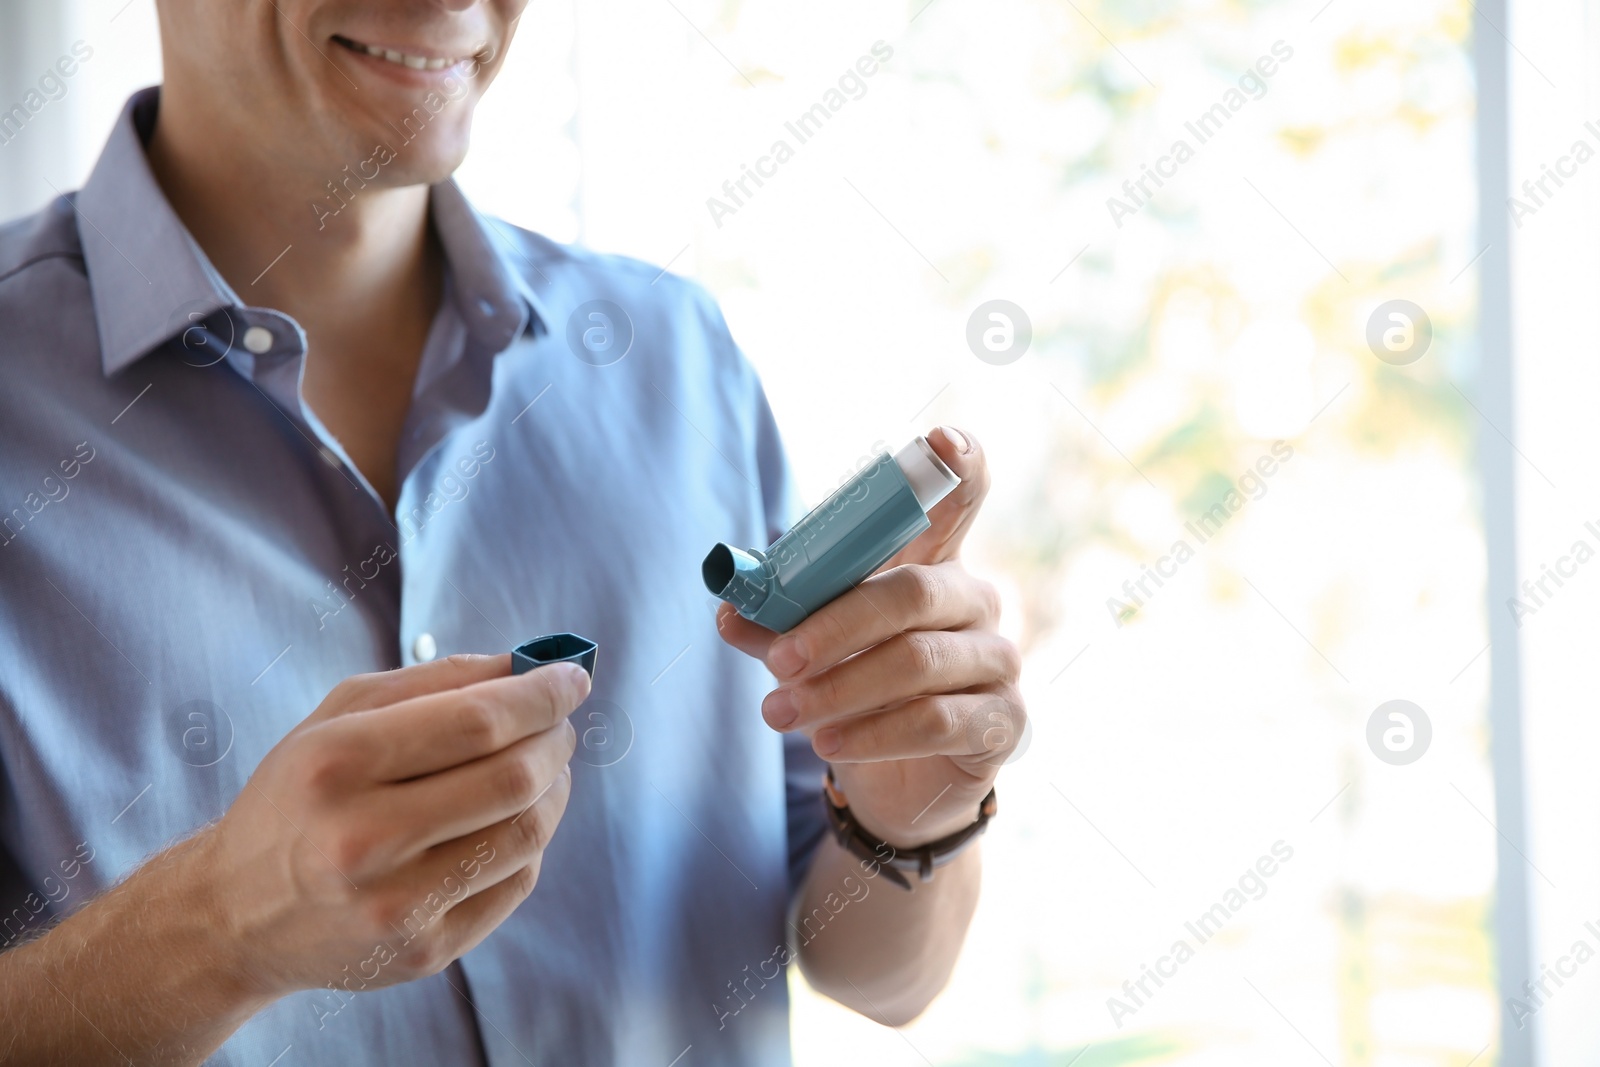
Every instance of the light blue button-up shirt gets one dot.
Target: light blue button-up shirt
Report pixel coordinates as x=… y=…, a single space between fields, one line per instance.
x=189 y=562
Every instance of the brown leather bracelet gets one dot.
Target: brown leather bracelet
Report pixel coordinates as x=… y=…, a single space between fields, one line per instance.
x=922 y=859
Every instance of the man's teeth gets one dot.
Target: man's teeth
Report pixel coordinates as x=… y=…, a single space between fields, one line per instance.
x=414 y=62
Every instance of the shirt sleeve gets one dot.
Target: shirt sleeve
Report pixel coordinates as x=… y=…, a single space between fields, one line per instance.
x=781 y=508
x=803 y=768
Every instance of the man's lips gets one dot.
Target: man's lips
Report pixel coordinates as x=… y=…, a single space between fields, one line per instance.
x=410 y=57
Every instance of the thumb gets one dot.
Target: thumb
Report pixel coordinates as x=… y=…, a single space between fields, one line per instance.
x=953 y=515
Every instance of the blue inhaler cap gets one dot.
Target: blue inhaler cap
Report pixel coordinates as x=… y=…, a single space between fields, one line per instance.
x=554 y=648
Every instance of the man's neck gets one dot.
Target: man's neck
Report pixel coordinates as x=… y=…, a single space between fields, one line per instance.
x=364 y=284
x=246 y=213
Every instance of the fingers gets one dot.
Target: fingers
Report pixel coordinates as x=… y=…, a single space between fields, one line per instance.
x=432 y=929
x=978 y=727
x=521 y=840
x=942 y=597
x=485 y=857
x=445 y=902
x=908 y=665
x=741 y=633
x=434 y=731
x=468 y=923
x=465 y=799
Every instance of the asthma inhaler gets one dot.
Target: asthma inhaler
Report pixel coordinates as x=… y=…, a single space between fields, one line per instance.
x=844 y=539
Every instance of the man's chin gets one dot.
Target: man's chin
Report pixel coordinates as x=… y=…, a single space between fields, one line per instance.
x=392 y=158
x=387 y=166
x=424 y=168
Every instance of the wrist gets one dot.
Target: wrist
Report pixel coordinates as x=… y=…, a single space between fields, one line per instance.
x=902 y=861
x=913 y=835
x=954 y=810
x=203 y=959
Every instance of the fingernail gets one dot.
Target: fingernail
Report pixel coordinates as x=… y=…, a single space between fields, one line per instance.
x=957 y=438
x=786 y=657
x=827 y=741
x=779 y=709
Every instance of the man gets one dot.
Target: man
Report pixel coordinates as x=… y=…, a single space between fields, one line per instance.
x=290 y=430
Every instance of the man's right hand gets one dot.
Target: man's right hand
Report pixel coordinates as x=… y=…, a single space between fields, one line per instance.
x=410 y=810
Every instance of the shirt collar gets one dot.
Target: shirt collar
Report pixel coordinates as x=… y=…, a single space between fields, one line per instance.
x=494 y=299
x=149 y=280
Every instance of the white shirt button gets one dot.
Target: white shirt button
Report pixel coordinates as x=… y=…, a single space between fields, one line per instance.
x=258 y=339
x=424 y=648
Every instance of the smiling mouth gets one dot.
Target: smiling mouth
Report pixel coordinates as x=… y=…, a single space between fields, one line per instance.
x=405 y=59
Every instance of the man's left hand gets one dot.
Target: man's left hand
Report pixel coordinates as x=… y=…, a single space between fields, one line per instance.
x=903 y=683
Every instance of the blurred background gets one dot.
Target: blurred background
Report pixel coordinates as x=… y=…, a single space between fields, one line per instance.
x=1239 y=505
